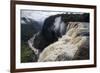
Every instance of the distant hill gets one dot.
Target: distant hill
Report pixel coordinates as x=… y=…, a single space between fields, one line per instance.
x=28 y=28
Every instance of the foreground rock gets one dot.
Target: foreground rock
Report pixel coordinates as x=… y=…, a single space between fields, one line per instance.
x=74 y=45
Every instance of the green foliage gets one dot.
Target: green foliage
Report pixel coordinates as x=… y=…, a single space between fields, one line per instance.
x=27 y=55
x=27 y=31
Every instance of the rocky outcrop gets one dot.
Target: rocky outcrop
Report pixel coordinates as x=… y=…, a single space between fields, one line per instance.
x=73 y=45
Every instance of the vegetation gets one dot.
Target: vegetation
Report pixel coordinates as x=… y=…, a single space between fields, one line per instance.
x=27 y=31
x=27 y=55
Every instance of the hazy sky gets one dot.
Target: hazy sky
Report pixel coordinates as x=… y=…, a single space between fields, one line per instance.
x=38 y=15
